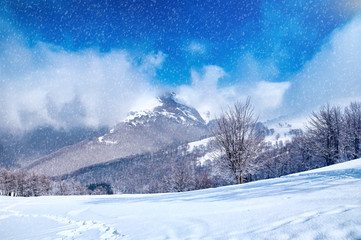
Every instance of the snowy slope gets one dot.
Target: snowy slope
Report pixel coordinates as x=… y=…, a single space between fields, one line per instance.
x=281 y=132
x=168 y=123
x=209 y=154
x=203 y=143
x=319 y=204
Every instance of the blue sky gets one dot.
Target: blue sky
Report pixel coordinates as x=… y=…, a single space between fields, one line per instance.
x=137 y=48
x=288 y=32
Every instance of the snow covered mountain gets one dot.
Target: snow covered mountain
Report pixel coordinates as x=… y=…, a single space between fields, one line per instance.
x=167 y=108
x=169 y=123
x=318 y=204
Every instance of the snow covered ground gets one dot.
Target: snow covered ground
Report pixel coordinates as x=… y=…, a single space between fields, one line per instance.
x=318 y=204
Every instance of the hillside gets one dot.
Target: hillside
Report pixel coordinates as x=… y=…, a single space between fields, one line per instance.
x=166 y=124
x=319 y=204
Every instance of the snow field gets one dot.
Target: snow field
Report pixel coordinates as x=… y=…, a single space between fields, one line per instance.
x=319 y=204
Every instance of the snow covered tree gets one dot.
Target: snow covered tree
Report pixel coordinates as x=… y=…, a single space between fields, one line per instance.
x=302 y=155
x=237 y=139
x=6 y=182
x=32 y=187
x=182 y=177
x=352 y=130
x=21 y=181
x=203 y=178
x=324 y=131
x=44 y=183
x=275 y=160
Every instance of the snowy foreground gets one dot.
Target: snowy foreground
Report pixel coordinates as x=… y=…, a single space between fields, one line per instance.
x=319 y=204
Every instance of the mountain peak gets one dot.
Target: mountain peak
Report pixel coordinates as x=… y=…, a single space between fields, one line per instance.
x=168 y=108
x=167 y=97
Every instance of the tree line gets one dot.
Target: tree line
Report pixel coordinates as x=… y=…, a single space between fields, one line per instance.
x=23 y=184
x=332 y=134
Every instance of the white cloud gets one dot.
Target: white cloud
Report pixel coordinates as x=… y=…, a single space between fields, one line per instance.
x=45 y=85
x=196 y=48
x=333 y=75
x=269 y=95
x=209 y=98
x=203 y=93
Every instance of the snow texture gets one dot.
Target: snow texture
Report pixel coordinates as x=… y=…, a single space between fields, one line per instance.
x=318 y=204
x=199 y=144
x=208 y=155
x=101 y=140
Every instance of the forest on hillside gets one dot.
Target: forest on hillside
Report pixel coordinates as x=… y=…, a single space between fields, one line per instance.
x=332 y=135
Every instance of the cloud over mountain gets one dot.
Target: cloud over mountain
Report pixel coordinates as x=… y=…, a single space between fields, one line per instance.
x=288 y=64
x=66 y=89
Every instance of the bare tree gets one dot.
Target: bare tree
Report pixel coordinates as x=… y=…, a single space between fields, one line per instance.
x=352 y=131
x=203 y=179
x=182 y=177
x=237 y=139
x=324 y=131
x=275 y=160
x=6 y=182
